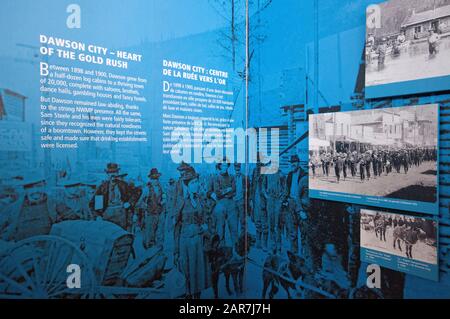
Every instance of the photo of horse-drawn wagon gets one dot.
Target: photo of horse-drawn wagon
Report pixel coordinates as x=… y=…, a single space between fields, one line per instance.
x=37 y=267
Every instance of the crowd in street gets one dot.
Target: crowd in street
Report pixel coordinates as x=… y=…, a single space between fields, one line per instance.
x=370 y=164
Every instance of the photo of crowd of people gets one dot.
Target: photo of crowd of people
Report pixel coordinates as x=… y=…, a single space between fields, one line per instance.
x=387 y=152
x=408 y=33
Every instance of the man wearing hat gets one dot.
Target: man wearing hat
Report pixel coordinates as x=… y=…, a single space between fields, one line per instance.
x=170 y=209
x=375 y=164
x=433 y=41
x=381 y=50
x=405 y=161
x=344 y=157
x=112 y=200
x=152 y=202
x=241 y=197
x=353 y=163
x=362 y=167
x=368 y=162
x=170 y=219
x=338 y=165
x=191 y=225
x=296 y=201
x=179 y=189
x=326 y=160
x=259 y=204
x=222 y=190
x=274 y=191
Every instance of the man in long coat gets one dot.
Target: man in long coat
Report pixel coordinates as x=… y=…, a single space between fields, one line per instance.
x=112 y=200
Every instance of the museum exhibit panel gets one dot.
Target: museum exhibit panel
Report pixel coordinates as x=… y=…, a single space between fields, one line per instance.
x=225 y=149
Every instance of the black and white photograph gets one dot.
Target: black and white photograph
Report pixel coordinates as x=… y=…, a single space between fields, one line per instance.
x=389 y=153
x=411 y=41
x=401 y=235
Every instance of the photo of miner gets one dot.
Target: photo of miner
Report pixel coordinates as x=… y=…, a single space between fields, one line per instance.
x=112 y=198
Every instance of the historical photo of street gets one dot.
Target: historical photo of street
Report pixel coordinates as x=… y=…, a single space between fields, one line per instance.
x=388 y=153
x=405 y=236
x=410 y=42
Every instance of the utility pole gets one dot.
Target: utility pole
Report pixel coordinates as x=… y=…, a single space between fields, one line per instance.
x=316 y=54
x=233 y=34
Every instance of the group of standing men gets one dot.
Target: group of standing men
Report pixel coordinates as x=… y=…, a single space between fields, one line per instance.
x=181 y=215
x=371 y=164
x=276 y=204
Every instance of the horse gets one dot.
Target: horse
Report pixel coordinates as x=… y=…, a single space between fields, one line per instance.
x=410 y=236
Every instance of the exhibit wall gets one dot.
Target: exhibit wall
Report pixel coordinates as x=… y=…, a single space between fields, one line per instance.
x=224 y=149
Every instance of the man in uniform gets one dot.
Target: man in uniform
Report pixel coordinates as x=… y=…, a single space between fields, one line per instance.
x=362 y=167
x=152 y=203
x=381 y=50
x=293 y=205
x=274 y=191
x=370 y=40
x=259 y=205
x=353 y=161
x=368 y=162
x=433 y=41
x=375 y=164
x=169 y=226
x=328 y=158
x=337 y=166
x=369 y=47
x=222 y=190
x=241 y=197
x=344 y=164
x=405 y=161
x=179 y=191
x=397 y=161
x=170 y=209
x=112 y=199
x=322 y=160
